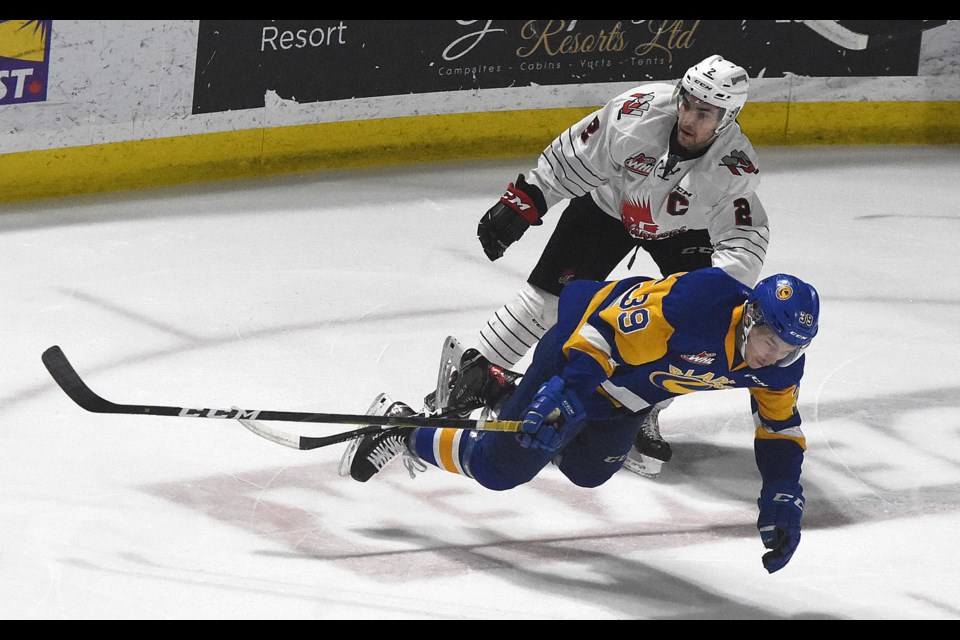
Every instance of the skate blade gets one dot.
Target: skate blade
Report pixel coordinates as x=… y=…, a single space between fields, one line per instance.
x=449 y=361
x=643 y=466
x=378 y=407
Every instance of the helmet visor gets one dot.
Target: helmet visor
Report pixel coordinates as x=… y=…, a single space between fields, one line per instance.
x=762 y=347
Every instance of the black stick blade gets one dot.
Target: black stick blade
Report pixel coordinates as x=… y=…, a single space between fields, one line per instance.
x=69 y=380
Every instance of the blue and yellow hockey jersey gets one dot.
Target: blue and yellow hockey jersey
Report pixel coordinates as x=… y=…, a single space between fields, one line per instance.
x=635 y=342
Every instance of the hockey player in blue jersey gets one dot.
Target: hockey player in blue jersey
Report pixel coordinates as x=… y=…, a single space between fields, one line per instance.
x=618 y=349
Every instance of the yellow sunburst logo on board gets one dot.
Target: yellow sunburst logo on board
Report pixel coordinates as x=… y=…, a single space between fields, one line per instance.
x=23 y=40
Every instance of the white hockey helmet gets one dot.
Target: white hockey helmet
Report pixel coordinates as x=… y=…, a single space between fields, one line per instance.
x=718 y=82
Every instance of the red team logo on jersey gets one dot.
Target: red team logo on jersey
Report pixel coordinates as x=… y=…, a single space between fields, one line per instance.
x=637 y=105
x=637 y=218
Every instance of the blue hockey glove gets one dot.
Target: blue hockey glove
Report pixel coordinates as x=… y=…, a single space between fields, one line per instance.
x=504 y=223
x=779 y=525
x=551 y=410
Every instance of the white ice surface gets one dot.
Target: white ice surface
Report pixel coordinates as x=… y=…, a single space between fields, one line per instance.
x=316 y=292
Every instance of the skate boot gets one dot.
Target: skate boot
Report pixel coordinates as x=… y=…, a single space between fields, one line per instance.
x=468 y=381
x=478 y=383
x=369 y=454
x=649 y=442
x=649 y=450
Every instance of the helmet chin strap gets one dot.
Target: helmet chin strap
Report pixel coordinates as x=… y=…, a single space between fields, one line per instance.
x=721 y=125
x=747 y=322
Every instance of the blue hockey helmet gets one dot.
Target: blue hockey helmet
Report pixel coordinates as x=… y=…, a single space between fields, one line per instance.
x=790 y=307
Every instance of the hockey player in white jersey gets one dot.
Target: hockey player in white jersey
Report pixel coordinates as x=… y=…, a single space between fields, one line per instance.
x=662 y=167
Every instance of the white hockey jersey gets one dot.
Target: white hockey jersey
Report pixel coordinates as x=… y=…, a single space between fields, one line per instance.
x=619 y=154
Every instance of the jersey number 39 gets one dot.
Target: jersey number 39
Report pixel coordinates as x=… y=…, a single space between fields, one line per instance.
x=634 y=316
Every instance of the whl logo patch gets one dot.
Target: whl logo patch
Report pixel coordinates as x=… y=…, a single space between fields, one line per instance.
x=701 y=358
x=640 y=163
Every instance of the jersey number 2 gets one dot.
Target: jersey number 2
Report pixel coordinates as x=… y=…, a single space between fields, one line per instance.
x=741 y=211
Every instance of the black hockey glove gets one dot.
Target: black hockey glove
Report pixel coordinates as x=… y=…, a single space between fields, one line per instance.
x=521 y=205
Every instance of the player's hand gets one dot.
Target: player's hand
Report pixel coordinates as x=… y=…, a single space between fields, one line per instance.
x=520 y=206
x=779 y=525
x=550 y=416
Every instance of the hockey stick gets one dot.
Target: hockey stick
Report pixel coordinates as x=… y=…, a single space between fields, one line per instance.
x=304 y=443
x=69 y=380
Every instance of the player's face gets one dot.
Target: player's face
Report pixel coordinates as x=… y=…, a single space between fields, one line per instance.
x=764 y=348
x=697 y=122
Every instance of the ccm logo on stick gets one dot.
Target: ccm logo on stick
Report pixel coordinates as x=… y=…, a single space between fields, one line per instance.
x=248 y=414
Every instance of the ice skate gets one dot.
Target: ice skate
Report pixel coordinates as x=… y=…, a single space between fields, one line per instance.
x=468 y=381
x=481 y=384
x=375 y=451
x=649 y=450
x=381 y=406
x=437 y=400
